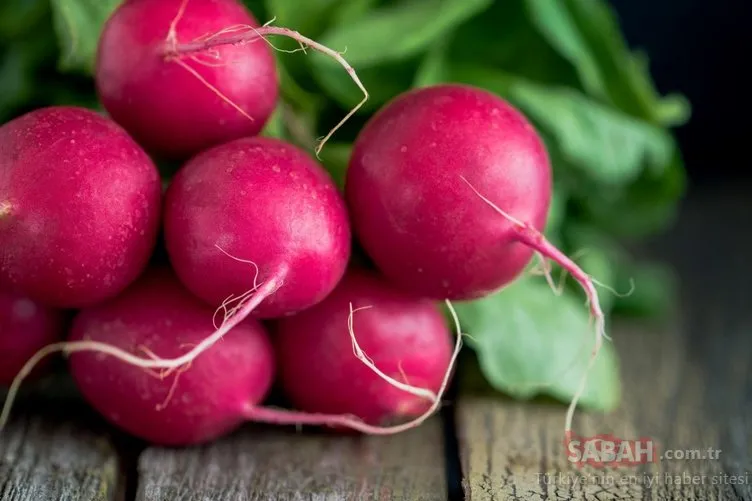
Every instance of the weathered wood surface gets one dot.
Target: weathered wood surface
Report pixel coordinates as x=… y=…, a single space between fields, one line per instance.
x=260 y=463
x=687 y=387
x=55 y=450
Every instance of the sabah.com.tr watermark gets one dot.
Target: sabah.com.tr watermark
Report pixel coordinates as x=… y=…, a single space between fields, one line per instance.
x=602 y=451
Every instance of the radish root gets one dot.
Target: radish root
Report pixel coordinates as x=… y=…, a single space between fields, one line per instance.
x=236 y=315
x=535 y=240
x=361 y=355
x=243 y=34
x=284 y=416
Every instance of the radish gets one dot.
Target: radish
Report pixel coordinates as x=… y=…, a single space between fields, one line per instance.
x=182 y=76
x=79 y=207
x=25 y=327
x=197 y=402
x=190 y=405
x=448 y=189
x=402 y=339
x=260 y=200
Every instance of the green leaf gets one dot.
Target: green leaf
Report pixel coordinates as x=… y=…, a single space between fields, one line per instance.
x=275 y=126
x=606 y=145
x=646 y=206
x=382 y=84
x=556 y=211
x=307 y=17
x=530 y=342
x=655 y=290
x=503 y=37
x=587 y=34
x=351 y=10
x=433 y=68
x=335 y=158
x=369 y=44
x=78 y=24
x=371 y=39
x=19 y=17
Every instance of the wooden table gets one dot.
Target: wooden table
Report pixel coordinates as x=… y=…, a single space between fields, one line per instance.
x=687 y=385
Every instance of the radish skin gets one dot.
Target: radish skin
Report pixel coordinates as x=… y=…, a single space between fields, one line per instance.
x=25 y=327
x=402 y=339
x=80 y=205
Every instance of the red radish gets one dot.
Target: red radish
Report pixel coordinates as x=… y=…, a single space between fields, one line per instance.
x=401 y=336
x=25 y=327
x=182 y=76
x=200 y=403
x=196 y=403
x=261 y=200
x=448 y=188
x=79 y=207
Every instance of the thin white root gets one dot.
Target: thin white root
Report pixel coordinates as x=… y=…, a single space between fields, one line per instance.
x=241 y=34
x=536 y=241
x=236 y=315
x=363 y=357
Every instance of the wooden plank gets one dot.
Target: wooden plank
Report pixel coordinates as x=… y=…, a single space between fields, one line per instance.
x=689 y=387
x=54 y=450
x=265 y=463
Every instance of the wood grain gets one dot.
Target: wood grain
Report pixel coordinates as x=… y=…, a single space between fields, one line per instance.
x=260 y=463
x=687 y=387
x=53 y=454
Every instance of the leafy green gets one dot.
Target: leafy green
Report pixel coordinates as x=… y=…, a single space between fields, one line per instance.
x=335 y=157
x=305 y=17
x=530 y=342
x=586 y=34
x=369 y=42
x=78 y=24
x=433 y=68
x=653 y=289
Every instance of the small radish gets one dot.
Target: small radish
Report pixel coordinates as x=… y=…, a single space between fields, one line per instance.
x=182 y=76
x=79 y=207
x=260 y=200
x=195 y=403
x=448 y=188
x=25 y=327
x=190 y=405
x=403 y=339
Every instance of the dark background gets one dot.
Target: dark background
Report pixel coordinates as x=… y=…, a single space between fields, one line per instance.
x=701 y=48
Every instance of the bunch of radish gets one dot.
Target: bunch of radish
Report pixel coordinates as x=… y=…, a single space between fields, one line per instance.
x=447 y=192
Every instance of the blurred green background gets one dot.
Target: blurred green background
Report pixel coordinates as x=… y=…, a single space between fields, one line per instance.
x=618 y=171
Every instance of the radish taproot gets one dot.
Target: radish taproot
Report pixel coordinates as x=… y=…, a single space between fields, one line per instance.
x=182 y=76
x=25 y=327
x=79 y=207
x=448 y=188
x=403 y=339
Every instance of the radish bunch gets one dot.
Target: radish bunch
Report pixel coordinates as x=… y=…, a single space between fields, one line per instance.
x=447 y=192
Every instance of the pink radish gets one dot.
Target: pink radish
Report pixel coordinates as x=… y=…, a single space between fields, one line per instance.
x=79 y=207
x=25 y=327
x=182 y=76
x=264 y=201
x=448 y=188
x=193 y=404
x=403 y=339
